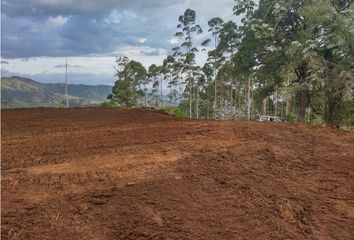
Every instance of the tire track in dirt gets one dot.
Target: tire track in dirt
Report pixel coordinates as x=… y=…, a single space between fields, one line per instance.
x=141 y=174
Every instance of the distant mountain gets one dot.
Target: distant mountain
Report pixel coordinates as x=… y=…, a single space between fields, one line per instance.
x=17 y=92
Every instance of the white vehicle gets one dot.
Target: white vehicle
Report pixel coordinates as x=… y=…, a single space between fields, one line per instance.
x=265 y=118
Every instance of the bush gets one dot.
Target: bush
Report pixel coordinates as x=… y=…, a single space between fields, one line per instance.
x=175 y=111
x=347 y=115
x=108 y=104
x=291 y=117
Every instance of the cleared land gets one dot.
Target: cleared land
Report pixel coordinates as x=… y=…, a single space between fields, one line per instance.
x=141 y=174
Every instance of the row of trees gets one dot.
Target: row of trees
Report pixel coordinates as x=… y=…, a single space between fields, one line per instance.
x=293 y=59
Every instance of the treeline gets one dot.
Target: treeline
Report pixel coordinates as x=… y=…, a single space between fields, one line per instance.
x=291 y=58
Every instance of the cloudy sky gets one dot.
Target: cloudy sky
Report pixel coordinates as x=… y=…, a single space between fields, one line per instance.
x=37 y=35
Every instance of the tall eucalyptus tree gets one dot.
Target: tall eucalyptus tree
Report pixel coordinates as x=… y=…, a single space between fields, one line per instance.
x=153 y=73
x=215 y=26
x=187 y=29
x=168 y=69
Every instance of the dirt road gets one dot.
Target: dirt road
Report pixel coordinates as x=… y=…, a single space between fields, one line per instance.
x=141 y=174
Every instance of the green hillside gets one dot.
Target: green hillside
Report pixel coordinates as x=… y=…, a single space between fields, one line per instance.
x=17 y=92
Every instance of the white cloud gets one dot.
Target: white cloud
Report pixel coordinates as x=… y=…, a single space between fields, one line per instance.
x=144 y=54
x=173 y=41
x=99 y=69
x=115 y=17
x=142 y=40
x=57 y=21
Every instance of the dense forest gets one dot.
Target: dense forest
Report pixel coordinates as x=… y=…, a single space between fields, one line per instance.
x=288 y=58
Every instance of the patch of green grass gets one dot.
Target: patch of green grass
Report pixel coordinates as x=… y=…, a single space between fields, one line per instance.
x=108 y=104
x=175 y=111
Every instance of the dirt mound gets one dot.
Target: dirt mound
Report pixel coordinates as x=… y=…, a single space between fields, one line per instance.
x=141 y=174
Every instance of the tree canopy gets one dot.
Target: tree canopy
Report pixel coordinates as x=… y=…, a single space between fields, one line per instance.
x=292 y=59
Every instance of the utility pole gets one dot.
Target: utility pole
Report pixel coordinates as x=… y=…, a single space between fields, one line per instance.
x=66 y=82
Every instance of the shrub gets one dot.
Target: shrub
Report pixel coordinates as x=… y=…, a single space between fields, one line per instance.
x=175 y=111
x=291 y=117
x=108 y=104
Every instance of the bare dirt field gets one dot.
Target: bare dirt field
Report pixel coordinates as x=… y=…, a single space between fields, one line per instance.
x=141 y=174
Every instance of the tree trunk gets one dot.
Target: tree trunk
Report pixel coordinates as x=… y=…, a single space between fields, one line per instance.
x=231 y=102
x=190 y=98
x=215 y=95
x=287 y=107
x=249 y=99
x=265 y=106
x=235 y=103
x=276 y=104
x=208 y=102
x=333 y=104
x=282 y=108
x=303 y=94
x=170 y=93
x=197 y=102
x=222 y=97
x=303 y=98
x=332 y=107
x=239 y=103
x=161 y=100
x=145 y=95
x=334 y=93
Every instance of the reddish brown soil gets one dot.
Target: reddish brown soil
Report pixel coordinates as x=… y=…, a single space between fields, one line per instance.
x=141 y=174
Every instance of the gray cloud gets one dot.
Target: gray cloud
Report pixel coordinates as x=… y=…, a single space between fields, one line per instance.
x=69 y=66
x=25 y=37
x=92 y=26
x=76 y=7
x=152 y=53
x=4 y=62
x=57 y=28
